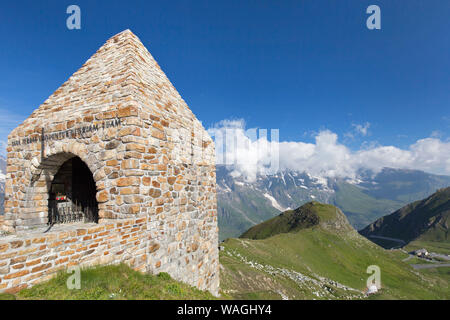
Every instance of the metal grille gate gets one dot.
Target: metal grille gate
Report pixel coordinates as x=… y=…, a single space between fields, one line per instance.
x=70 y=212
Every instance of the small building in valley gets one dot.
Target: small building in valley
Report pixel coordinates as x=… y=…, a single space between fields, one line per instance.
x=423 y=253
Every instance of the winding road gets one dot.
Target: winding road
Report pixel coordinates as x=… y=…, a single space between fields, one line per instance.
x=400 y=242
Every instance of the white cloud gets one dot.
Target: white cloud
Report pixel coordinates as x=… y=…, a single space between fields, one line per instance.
x=362 y=129
x=326 y=157
x=358 y=130
x=436 y=134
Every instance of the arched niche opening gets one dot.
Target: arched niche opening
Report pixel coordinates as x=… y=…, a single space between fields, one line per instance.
x=72 y=194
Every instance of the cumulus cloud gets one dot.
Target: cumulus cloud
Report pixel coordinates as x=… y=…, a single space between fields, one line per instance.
x=249 y=152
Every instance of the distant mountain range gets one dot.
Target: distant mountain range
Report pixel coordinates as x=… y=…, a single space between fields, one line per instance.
x=242 y=204
x=425 y=220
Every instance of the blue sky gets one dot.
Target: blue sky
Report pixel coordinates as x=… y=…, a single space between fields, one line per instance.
x=298 y=66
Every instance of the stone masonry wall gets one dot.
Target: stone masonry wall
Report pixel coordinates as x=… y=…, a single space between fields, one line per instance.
x=2 y=223
x=150 y=158
x=29 y=259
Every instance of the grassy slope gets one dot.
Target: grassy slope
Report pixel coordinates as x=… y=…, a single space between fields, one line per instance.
x=254 y=268
x=442 y=273
x=288 y=221
x=113 y=282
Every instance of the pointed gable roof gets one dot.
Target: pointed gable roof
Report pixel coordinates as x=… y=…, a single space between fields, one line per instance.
x=120 y=72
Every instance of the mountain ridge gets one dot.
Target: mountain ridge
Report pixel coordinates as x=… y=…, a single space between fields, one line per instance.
x=242 y=204
x=426 y=219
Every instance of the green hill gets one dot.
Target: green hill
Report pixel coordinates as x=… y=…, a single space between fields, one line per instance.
x=298 y=257
x=309 y=215
x=421 y=221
